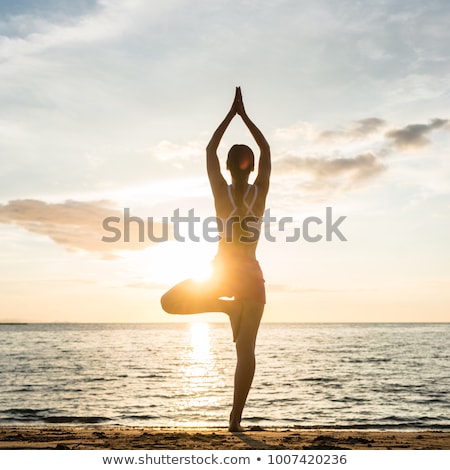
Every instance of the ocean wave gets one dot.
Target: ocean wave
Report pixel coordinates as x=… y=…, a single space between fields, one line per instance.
x=327 y=375
x=75 y=419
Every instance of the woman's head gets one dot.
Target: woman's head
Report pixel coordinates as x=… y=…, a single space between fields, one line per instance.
x=240 y=161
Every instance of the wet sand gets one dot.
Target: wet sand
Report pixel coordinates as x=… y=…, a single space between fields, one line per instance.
x=129 y=438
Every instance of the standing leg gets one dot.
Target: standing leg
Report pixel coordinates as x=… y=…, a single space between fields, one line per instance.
x=245 y=367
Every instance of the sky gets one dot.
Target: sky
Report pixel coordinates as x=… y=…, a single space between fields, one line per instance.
x=108 y=105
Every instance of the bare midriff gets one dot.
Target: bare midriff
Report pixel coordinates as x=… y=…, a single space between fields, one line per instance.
x=237 y=247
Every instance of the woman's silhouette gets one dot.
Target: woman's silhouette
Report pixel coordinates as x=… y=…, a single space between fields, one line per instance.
x=236 y=272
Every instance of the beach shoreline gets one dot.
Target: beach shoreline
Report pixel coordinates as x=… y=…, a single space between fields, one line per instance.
x=153 y=438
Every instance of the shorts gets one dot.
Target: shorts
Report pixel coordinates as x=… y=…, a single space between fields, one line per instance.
x=240 y=277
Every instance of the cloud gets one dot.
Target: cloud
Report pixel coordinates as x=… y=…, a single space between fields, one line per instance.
x=413 y=136
x=320 y=177
x=36 y=30
x=47 y=7
x=410 y=136
x=298 y=129
x=166 y=150
x=75 y=225
x=327 y=173
x=358 y=130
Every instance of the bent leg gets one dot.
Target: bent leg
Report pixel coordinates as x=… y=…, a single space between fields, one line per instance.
x=190 y=297
x=245 y=367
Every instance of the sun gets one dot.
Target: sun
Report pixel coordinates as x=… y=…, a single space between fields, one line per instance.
x=172 y=262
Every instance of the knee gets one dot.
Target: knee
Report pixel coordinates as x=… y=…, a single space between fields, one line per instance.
x=245 y=350
x=167 y=303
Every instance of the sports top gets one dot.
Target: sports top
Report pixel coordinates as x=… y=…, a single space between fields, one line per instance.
x=249 y=212
x=246 y=220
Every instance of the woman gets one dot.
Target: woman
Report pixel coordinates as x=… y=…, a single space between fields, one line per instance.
x=236 y=272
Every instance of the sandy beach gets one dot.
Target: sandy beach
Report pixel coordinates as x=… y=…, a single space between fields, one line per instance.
x=143 y=438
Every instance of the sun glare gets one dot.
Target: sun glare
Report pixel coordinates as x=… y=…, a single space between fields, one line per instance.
x=200 y=342
x=199 y=377
x=173 y=262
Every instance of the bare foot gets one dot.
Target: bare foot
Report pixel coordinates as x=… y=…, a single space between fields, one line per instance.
x=235 y=428
x=235 y=423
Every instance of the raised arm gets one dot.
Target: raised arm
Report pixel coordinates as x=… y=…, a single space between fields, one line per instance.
x=264 y=167
x=215 y=176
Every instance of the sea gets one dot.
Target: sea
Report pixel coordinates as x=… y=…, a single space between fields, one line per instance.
x=372 y=376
